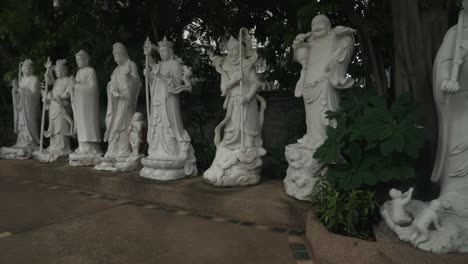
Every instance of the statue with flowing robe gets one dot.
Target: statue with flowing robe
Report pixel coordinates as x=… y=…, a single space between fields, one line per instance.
x=325 y=54
x=238 y=137
x=85 y=105
x=170 y=155
x=441 y=226
x=122 y=96
x=26 y=95
x=60 y=115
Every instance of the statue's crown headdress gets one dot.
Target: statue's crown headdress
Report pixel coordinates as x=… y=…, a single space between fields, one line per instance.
x=119 y=48
x=61 y=63
x=165 y=43
x=28 y=63
x=82 y=53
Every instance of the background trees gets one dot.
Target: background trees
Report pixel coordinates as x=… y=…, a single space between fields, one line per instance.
x=397 y=39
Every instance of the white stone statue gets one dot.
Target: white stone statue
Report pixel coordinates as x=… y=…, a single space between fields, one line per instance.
x=85 y=105
x=325 y=55
x=423 y=221
x=58 y=104
x=122 y=94
x=442 y=225
x=135 y=133
x=26 y=108
x=397 y=206
x=170 y=155
x=238 y=137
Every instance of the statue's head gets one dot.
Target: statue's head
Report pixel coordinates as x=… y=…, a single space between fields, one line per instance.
x=82 y=59
x=321 y=26
x=233 y=51
x=28 y=67
x=61 y=69
x=394 y=193
x=120 y=53
x=137 y=116
x=166 y=49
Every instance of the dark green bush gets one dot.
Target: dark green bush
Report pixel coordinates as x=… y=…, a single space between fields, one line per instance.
x=373 y=142
x=349 y=213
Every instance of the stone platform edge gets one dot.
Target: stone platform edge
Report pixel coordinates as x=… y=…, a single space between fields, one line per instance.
x=265 y=204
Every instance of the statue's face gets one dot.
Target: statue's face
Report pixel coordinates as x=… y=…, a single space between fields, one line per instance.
x=61 y=71
x=120 y=57
x=320 y=26
x=27 y=70
x=233 y=55
x=81 y=61
x=165 y=53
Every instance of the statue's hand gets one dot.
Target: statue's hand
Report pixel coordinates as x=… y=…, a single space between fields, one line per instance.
x=146 y=71
x=15 y=85
x=237 y=76
x=115 y=94
x=450 y=87
x=147 y=49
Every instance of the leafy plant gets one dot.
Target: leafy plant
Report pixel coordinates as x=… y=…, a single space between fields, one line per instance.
x=373 y=142
x=345 y=212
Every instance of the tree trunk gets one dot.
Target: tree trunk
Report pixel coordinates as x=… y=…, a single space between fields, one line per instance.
x=419 y=27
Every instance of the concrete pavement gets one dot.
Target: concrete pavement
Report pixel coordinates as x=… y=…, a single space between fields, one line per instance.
x=49 y=224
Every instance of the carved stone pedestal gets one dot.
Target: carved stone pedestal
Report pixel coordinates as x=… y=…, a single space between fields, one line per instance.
x=118 y=164
x=49 y=157
x=84 y=160
x=169 y=169
x=451 y=237
x=303 y=171
x=235 y=167
x=18 y=153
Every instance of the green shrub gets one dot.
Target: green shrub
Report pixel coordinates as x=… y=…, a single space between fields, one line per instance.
x=373 y=142
x=349 y=213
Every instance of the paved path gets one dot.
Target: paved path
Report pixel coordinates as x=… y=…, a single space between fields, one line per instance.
x=46 y=224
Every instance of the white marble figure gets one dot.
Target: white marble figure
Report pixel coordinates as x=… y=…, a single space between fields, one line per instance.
x=325 y=54
x=397 y=206
x=26 y=108
x=60 y=115
x=238 y=137
x=170 y=155
x=85 y=105
x=122 y=94
x=422 y=222
x=135 y=133
x=449 y=212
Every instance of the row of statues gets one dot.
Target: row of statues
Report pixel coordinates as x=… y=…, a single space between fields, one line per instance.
x=72 y=108
x=324 y=53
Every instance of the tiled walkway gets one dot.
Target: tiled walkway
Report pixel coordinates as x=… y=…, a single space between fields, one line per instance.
x=42 y=223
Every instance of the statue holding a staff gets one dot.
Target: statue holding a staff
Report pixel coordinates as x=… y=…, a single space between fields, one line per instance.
x=58 y=104
x=170 y=155
x=238 y=137
x=26 y=108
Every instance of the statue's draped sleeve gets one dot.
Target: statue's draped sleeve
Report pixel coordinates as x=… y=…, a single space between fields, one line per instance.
x=341 y=59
